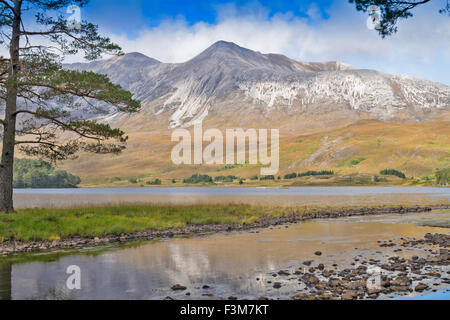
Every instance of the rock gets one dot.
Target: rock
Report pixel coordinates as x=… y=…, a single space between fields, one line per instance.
x=277 y=285
x=321 y=266
x=327 y=273
x=310 y=279
x=335 y=283
x=308 y=262
x=354 y=285
x=349 y=295
x=96 y=239
x=398 y=267
x=318 y=253
x=232 y=298
x=303 y=296
x=206 y=287
x=178 y=287
x=326 y=296
x=385 y=282
x=299 y=296
x=323 y=285
x=434 y=274
x=401 y=282
x=283 y=273
x=373 y=291
x=421 y=287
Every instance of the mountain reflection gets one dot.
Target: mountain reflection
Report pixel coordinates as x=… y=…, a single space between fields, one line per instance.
x=228 y=263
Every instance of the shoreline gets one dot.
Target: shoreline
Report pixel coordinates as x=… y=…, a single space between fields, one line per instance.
x=276 y=185
x=398 y=276
x=414 y=267
x=12 y=247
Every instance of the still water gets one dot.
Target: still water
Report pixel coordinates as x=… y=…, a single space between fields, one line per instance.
x=266 y=196
x=229 y=263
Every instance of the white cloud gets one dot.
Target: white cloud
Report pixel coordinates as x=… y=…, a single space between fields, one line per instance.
x=421 y=47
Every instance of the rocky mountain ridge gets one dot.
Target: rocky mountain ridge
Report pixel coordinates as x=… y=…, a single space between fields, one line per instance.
x=226 y=79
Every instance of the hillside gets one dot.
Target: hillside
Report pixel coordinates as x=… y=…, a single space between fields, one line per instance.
x=414 y=148
x=330 y=115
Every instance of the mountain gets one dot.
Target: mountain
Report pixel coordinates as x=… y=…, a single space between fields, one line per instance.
x=330 y=115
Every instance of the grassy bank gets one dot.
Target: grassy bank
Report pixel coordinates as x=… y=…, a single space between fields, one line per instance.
x=55 y=224
x=61 y=224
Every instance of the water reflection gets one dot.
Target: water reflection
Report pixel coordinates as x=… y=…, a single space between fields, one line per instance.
x=5 y=281
x=229 y=263
x=319 y=196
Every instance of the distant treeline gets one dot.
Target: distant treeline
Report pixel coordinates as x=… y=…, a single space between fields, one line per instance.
x=156 y=182
x=226 y=178
x=269 y=177
x=198 y=178
x=393 y=172
x=29 y=173
x=309 y=174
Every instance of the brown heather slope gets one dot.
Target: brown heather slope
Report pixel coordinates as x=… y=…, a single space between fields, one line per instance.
x=366 y=146
x=330 y=116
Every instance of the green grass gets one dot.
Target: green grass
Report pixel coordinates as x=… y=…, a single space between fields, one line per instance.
x=55 y=224
x=351 y=163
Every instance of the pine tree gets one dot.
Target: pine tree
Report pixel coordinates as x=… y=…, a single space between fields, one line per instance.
x=41 y=100
x=391 y=11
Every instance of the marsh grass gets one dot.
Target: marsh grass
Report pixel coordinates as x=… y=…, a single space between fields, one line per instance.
x=55 y=224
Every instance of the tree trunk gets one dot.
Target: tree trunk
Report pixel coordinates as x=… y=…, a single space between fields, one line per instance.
x=9 y=123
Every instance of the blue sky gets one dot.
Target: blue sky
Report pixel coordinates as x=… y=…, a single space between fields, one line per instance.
x=139 y=13
x=307 y=30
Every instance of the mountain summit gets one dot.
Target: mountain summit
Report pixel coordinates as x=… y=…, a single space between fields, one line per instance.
x=330 y=115
x=235 y=83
